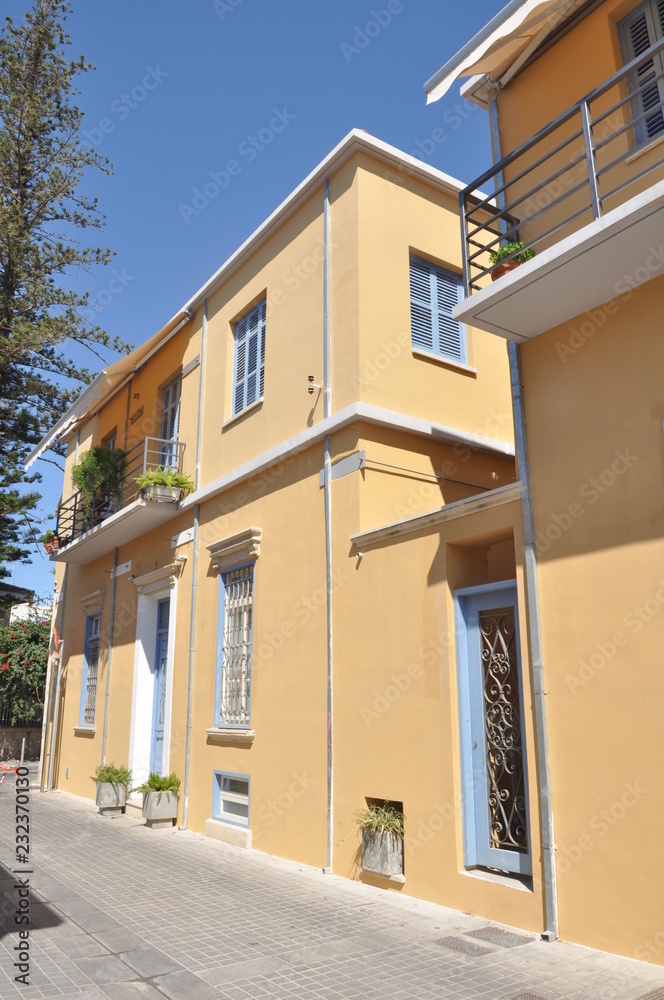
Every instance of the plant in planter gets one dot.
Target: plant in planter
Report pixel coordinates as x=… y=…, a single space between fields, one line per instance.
x=112 y=783
x=160 y=799
x=381 y=826
x=50 y=541
x=163 y=485
x=511 y=251
x=99 y=476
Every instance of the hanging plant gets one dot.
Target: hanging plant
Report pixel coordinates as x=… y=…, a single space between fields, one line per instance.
x=99 y=476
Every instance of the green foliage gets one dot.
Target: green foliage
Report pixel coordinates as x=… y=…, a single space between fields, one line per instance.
x=507 y=249
x=43 y=214
x=110 y=774
x=164 y=477
x=23 y=658
x=99 y=474
x=158 y=783
x=48 y=536
x=380 y=819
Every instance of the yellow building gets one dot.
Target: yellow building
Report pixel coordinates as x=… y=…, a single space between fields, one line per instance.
x=285 y=637
x=575 y=100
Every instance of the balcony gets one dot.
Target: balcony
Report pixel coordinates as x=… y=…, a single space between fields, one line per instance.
x=586 y=193
x=91 y=527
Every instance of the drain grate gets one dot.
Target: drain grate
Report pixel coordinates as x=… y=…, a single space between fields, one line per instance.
x=656 y=994
x=528 y=996
x=496 y=935
x=460 y=944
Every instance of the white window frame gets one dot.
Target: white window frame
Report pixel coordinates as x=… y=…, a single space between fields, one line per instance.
x=219 y=796
x=249 y=334
x=444 y=290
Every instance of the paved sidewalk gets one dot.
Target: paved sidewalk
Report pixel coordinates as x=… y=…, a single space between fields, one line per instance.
x=121 y=911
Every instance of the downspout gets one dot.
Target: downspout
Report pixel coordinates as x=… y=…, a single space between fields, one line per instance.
x=109 y=658
x=327 y=486
x=51 y=701
x=537 y=665
x=194 y=578
x=532 y=601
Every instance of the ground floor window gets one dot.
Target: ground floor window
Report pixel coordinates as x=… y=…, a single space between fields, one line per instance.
x=230 y=798
x=90 y=671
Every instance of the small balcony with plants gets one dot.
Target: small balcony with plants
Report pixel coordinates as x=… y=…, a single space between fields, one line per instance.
x=118 y=496
x=575 y=217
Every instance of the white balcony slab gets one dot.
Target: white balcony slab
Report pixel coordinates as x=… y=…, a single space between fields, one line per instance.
x=137 y=518
x=576 y=275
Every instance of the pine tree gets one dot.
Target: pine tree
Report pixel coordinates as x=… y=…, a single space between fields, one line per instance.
x=43 y=212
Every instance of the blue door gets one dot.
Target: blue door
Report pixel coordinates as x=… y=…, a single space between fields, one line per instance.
x=495 y=788
x=159 y=697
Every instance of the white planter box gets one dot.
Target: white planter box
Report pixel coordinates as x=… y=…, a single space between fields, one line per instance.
x=160 y=808
x=111 y=799
x=382 y=854
x=163 y=494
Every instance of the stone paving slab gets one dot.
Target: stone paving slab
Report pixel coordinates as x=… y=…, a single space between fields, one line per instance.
x=125 y=913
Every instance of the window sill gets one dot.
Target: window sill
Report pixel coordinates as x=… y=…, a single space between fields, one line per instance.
x=456 y=366
x=243 y=413
x=642 y=150
x=84 y=730
x=523 y=883
x=226 y=736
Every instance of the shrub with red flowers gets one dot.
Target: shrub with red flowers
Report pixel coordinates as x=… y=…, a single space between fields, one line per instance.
x=24 y=649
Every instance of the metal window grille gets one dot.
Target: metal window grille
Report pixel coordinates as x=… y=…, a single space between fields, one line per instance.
x=237 y=643
x=92 y=657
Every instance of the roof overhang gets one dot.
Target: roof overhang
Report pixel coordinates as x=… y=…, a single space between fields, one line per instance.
x=498 y=51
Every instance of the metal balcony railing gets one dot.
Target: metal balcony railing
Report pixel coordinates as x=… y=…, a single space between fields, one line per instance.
x=571 y=172
x=79 y=514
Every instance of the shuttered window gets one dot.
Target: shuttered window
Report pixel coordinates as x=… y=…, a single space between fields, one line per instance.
x=643 y=27
x=433 y=294
x=249 y=360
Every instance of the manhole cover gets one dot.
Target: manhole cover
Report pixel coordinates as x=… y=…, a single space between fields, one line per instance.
x=460 y=944
x=495 y=935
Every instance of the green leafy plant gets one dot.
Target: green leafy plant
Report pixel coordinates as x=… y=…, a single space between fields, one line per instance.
x=110 y=774
x=99 y=475
x=158 y=783
x=507 y=249
x=376 y=818
x=23 y=658
x=48 y=536
x=164 y=477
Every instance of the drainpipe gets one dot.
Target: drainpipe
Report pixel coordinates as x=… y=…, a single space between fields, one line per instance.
x=47 y=688
x=327 y=486
x=51 y=701
x=109 y=658
x=537 y=665
x=194 y=577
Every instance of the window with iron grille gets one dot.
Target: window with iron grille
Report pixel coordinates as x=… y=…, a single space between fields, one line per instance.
x=639 y=30
x=90 y=670
x=234 y=647
x=249 y=359
x=433 y=294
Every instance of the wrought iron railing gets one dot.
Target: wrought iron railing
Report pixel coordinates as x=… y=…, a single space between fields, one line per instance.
x=79 y=514
x=570 y=172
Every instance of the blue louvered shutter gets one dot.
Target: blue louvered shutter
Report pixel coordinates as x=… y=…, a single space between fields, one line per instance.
x=638 y=31
x=249 y=362
x=433 y=294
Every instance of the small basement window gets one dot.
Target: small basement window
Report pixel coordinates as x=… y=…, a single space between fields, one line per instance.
x=230 y=798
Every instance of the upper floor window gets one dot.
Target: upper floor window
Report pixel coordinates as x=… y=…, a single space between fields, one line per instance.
x=249 y=359
x=433 y=293
x=640 y=29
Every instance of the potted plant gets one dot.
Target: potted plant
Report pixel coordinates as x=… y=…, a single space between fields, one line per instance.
x=50 y=541
x=99 y=476
x=381 y=826
x=160 y=799
x=511 y=251
x=163 y=485
x=112 y=785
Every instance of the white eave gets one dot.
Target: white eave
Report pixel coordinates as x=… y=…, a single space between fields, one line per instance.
x=496 y=52
x=111 y=379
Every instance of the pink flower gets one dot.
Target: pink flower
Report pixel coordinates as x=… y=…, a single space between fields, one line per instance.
x=26 y=663
x=4 y=666
x=12 y=635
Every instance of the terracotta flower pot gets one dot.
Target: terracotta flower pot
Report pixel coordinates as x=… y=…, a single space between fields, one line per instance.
x=48 y=548
x=507 y=265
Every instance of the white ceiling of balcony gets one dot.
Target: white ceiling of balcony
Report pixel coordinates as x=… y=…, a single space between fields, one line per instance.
x=504 y=44
x=138 y=518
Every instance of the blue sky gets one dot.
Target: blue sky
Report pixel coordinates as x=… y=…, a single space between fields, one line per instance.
x=181 y=90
